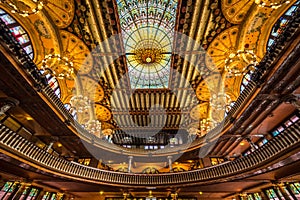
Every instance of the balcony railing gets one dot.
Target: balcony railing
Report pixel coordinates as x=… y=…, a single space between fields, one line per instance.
x=15 y=144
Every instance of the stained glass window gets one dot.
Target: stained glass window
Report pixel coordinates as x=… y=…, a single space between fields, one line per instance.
x=257 y=196
x=18 y=32
x=33 y=194
x=281 y=23
x=148 y=31
x=295 y=188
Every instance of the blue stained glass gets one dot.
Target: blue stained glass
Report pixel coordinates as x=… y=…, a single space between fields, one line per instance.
x=7 y=19
x=148 y=31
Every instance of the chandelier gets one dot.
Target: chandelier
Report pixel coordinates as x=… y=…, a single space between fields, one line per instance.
x=59 y=66
x=94 y=127
x=194 y=131
x=218 y=101
x=80 y=103
x=22 y=9
x=246 y=56
x=269 y=4
x=206 y=125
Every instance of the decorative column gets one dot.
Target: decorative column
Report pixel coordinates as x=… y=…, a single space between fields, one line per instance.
x=170 y=163
x=41 y=195
x=129 y=163
x=280 y=187
x=59 y=196
x=20 y=190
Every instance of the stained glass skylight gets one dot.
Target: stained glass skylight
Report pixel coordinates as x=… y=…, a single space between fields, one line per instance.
x=148 y=31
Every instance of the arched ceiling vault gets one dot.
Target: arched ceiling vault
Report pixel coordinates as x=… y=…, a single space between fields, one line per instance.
x=83 y=41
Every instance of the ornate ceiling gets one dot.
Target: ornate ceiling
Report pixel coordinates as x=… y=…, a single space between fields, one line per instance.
x=148 y=67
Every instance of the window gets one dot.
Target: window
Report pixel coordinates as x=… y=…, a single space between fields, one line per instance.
x=148 y=31
x=281 y=23
x=8 y=189
x=273 y=195
x=33 y=194
x=18 y=32
x=295 y=188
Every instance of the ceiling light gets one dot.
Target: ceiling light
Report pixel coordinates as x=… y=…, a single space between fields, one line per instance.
x=200 y=193
x=101 y=192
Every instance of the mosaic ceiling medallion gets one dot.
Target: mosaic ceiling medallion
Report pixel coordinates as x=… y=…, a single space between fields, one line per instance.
x=102 y=113
x=148 y=31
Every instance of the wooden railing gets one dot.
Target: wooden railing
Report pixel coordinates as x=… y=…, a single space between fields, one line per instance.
x=15 y=144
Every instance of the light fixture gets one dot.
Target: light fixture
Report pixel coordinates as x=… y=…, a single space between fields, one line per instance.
x=218 y=101
x=200 y=193
x=194 y=131
x=268 y=4
x=58 y=66
x=205 y=125
x=101 y=192
x=80 y=102
x=246 y=56
x=39 y=5
x=93 y=125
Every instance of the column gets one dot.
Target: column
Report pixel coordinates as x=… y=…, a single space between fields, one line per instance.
x=41 y=195
x=129 y=163
x=59 y=196
x=280 y=187
x=21 y=189
x=170 y=163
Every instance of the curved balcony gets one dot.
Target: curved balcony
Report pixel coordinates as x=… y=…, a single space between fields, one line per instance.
x=18 y=147
x=250 y=92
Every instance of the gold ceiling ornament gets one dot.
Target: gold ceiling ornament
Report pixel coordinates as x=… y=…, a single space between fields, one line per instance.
x=202 y=91
x=211 y=84
x=240 y=62
x=102 y=113
x=77 y=52
x=274 y=4
x=59 y=66
x=61 y=12
x=26 y=8
x=235 y=11
x=220 y=49
x=93 y=90
x=200 y=111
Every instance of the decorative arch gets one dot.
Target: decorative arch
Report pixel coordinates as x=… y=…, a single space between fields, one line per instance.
x=18 y=32
x=281 y=23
